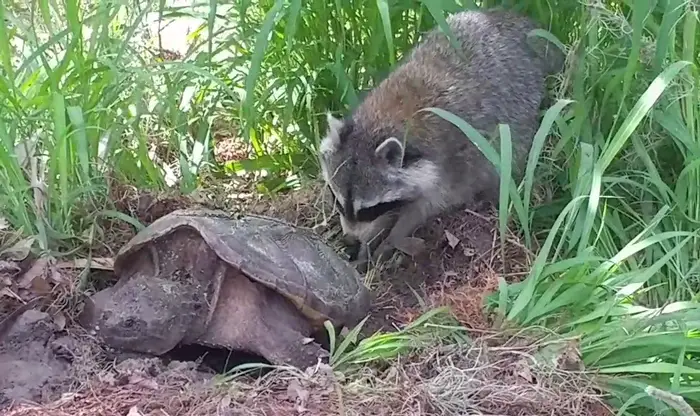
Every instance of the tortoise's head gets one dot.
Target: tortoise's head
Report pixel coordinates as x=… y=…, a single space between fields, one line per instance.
x=145 y=315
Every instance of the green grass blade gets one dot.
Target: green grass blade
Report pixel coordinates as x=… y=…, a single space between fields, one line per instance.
x=506 y=167
x=261 y=42
x=292 y=25
x=5 y=53
x=640 y=110
x=531 y=281
x=383 y=7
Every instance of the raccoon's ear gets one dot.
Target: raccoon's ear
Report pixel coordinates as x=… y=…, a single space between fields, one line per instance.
x=391 y=150
x=332 y=139
x=334 y=124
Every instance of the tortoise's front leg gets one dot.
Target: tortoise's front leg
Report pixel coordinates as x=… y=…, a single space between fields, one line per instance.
x=253 y=318
x=293 y=348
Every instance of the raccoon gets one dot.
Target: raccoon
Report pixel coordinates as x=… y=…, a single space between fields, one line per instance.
x=391 y=167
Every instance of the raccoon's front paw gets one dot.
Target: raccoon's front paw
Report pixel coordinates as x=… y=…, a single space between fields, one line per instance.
x=353 y=250
x=363 y=261
x=383 y=252
x=410 y=246
x=361 y=265
x=360 y=258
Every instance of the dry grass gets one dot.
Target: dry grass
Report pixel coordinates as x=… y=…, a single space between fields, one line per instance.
x=454 y=380
x=476 y=380
x=309 y=207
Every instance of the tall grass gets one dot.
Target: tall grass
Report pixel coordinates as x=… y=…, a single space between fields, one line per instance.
x=618 y=269
x=83 y=103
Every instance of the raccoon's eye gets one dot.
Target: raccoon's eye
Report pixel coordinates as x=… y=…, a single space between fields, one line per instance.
x=370 y=214
x=411 y=155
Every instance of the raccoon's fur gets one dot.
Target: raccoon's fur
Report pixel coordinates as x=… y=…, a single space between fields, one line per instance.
x=391 y=167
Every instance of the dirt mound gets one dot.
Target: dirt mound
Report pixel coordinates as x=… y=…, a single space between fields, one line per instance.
x=41 y=363
x=34 y=360
x=443 y=380
x=134 y=387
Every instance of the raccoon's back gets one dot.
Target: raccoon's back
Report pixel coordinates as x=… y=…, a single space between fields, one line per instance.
x=502 y=80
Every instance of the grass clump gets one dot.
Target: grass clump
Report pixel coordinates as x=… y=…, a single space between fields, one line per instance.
x=88 y=102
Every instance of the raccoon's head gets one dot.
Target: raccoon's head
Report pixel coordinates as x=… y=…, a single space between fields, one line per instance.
x=371 y=175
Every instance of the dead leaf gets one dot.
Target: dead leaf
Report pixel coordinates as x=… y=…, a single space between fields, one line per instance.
x=134 y=411
x=108 y=379
x=451 y=239
x=570 y=358
x=60 y=320
x=57 y=277
x=297 y=393
x=522 y=369
x=141 y=381
x=97 y=263
x=38 y=270
x=411 y=245
x=8 y=268
x=37 y=179
x=469 y=252
x=40 y=286
x=563 y=355
x=225 y=402
x=391 y=375
x=26 y=149
x=306 y=341
x=20 y=250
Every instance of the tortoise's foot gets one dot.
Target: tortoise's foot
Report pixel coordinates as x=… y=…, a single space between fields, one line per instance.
x=302 y=354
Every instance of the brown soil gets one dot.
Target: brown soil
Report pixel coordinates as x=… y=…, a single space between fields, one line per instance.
x=29 y=368
x=57 y=369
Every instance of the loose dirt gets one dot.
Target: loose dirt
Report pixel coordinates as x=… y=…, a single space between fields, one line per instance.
x=32 y=360
x=54 y=368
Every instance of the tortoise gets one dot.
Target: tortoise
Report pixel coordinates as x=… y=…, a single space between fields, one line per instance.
x=253 y=284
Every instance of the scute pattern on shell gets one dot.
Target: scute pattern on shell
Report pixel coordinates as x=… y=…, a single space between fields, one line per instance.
x=292 y=261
